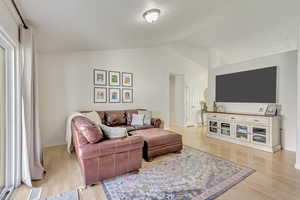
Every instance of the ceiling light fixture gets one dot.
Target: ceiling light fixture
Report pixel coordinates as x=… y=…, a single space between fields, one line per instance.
x=151 y=15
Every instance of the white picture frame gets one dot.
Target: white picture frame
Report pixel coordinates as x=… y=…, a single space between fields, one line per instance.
x=127 y=95
x=114 y=78
x=100 y=77
x=100 y=95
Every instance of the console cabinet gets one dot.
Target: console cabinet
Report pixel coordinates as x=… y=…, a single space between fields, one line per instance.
x=260 y=132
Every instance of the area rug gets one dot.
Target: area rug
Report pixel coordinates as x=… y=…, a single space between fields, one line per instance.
x=191 y=175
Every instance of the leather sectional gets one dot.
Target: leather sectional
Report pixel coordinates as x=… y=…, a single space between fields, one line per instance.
x=113 y=157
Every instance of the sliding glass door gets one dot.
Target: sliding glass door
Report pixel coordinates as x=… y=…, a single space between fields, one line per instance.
x=2 y=118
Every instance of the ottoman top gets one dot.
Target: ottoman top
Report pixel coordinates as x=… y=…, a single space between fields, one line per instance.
x=158 y=137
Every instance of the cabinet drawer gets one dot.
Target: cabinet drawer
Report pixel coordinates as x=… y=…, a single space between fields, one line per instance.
x=258 y=120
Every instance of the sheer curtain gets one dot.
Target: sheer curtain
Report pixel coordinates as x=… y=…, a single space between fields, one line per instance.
x=32 y=154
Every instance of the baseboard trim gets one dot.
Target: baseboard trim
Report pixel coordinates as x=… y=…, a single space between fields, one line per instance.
x=297 y=166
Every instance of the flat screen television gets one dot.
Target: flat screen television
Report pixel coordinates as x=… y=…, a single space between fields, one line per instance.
x=254 y=86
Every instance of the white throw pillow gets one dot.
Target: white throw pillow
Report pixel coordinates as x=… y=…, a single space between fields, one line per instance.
x=137 y=120
x=114 y=132
x=148 y=116
x=94 y=117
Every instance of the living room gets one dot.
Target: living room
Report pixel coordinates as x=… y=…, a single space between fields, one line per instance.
x=149 y=100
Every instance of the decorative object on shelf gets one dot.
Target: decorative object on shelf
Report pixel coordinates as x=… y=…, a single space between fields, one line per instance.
x=127 y=95
x=127 y=79
x=100 y=95
x=271 y=110
x=100 y=77
x=220 y=108
x=203 y=105
x=114 y=95
x=214 y=107
x=262 y=109
x=114 y=78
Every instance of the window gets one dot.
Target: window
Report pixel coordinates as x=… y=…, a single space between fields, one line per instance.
x=2 y=118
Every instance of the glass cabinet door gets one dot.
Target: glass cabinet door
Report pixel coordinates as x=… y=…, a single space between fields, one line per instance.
x=242 y=132
x=225 y=129
x=213 y=127
x=259 y=135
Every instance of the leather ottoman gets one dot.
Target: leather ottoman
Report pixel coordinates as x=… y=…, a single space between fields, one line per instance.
x=159 y=142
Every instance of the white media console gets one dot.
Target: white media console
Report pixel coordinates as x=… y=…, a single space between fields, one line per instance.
x=257 y=131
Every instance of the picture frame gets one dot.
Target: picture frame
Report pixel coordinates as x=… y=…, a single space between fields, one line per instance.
x=100 y=77
x=262 y=109
x=114 y=95
x=100 y=95
x=114 y=78
x=127 y=95
x=271 y=110
x=127 y=79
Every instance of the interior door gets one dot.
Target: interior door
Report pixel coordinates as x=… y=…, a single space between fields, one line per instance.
x=2 y=118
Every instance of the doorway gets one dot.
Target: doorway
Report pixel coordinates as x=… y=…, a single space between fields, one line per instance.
x=177 y=100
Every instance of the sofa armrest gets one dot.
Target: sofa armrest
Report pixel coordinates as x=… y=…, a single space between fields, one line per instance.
x=108 y=147
x=156 y=122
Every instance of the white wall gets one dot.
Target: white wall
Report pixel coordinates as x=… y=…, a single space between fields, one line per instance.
x=8 y=23
x=287 y=97
x=66 y=83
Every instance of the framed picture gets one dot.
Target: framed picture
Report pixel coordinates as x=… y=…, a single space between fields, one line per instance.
x=100 y=77
x=114 y=95
x=271 y=110
x=127 y=79
x=127 y=95
x=100 y=95
x=114 y=78
x=262 y=109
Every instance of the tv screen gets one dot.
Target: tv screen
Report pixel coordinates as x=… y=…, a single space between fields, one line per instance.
x=255 y=86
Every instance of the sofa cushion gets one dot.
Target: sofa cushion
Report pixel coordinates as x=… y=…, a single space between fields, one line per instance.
x=158 y=137
x=114 y=132
x=137 y=120
x=108 y=147
x=88 y=129
x=148 y=116
x=114 y=118
x=128 y=128
x=129 y=115
x=94 y=117
x=143 y=127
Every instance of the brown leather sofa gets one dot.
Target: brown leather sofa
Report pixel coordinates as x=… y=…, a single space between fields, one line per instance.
x=110 y=158
x=123 y=118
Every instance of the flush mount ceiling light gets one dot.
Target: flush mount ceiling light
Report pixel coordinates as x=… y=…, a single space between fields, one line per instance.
x=151 y=15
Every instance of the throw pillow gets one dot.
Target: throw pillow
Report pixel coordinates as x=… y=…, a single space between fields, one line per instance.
x=114 y=132
x=94 y=117
x=88 y=129
x=148 y=116
x=137 y=120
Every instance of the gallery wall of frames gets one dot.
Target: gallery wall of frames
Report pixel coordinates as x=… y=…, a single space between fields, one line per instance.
x=112 y=86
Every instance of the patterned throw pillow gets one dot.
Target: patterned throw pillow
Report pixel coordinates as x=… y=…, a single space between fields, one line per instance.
x=137 y=120
x=148 y=116
x=114 y=132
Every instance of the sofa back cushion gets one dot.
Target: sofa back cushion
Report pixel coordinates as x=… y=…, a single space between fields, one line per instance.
x=88 y=129
x=115 y=118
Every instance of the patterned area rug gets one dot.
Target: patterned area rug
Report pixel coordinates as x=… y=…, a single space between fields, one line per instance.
x=191 y=175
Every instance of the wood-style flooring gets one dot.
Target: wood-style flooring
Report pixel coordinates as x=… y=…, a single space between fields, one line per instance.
x=275 y=176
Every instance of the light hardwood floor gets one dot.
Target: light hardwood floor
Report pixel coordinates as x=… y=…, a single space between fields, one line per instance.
x=275 y=176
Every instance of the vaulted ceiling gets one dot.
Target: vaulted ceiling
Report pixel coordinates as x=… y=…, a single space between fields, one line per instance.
x=78 y=25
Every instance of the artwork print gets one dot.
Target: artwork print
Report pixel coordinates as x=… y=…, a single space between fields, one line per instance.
x=114 y=95
x=127 y=79
x=100 y=95
x=127 y=95
x=100 y=77
x=114 y=78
